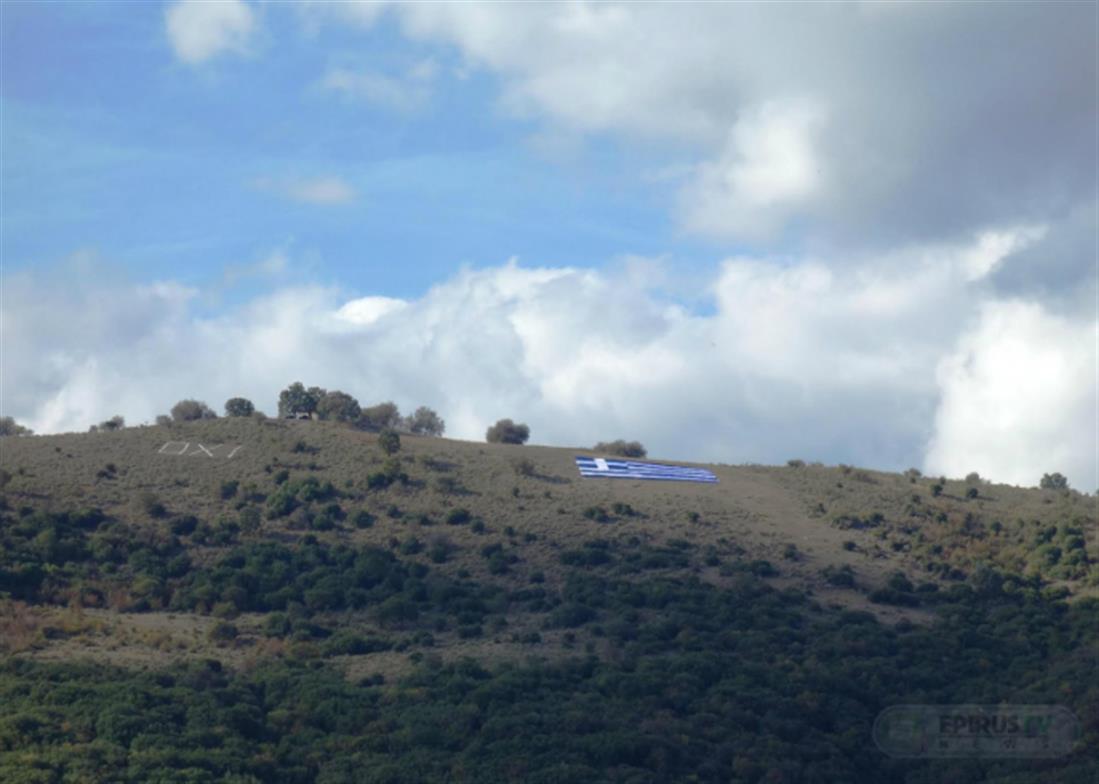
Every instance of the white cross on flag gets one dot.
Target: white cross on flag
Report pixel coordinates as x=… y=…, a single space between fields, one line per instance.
x=631 y=469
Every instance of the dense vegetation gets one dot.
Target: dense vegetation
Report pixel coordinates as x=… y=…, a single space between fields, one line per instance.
x=744 y=684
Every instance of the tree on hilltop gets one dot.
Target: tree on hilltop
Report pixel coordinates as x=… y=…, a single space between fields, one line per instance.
x=425 y=422
x=379 y=417
x=190 y=410
x=239 y=407
x=338 y=406
x=621 y=448
x=296 y=399
x=507 y=432
x=9 y=427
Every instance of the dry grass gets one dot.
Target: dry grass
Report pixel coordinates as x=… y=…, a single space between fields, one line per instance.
x=535 y=511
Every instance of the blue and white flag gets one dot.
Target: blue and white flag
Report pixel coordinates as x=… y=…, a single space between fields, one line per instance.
x=630 y=469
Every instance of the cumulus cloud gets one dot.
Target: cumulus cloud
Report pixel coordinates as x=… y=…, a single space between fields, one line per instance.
x=325 y=191
x=768 y=168
x=928 y=122
x=796 y=357
x=1019 y=398
x=199 y=31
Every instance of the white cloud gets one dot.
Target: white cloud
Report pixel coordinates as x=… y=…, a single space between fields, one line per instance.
x=327 y=191
x=768 y=168
x=406 y=92
x=1019 y=398
x=925 y=124
x=199 y=31
x=364 y=311
x=798 y=358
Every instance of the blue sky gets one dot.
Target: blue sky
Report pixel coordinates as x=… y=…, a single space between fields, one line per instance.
x=608 y=220
x=112 y=144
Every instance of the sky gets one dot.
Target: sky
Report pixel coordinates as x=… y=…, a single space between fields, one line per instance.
x=738 y=232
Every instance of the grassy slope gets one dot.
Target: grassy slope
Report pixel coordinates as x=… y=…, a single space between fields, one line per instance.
x=754 y=513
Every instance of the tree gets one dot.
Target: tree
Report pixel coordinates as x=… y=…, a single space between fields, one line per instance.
x=623 y=448
x=425 y=422
x=114 y=423
x=163 y=419
x=380 y=417
x=1054 y=481
x=239 y=407
x=190 y=410
x=390 y=441
x=507 y=432
x=338 y=406
x=9 y=427
x=296 y=399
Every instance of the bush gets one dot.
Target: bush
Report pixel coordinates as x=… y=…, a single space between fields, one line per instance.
x=972 y=492
x=621 y=448
x=380 y=417
x=458 y=516
x=249 y=519
x=1054 y=481
x=440 y=550
x=523 y=467
x=425 y=422
x=795 y=463
x=363 y=519
x=151 y=505
x=936 y=489
x=843 y=577
x=597 y=513
x=339 y=407
x=9 y=427
x=184 y=526
x=507 y=432
x=239 y=407
x=163 y=419
x=191 y=410
x=390 y=441
x=228 y=489
x=223 y=632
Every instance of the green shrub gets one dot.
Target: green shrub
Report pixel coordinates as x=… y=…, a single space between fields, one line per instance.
x=223 y=631
x=597 y=513
x=459 y=516
x=843 y=576
x=363 y=519
x=228 y=489
x=389 y=441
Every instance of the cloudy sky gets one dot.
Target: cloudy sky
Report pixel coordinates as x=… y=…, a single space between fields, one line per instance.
x=860 y=233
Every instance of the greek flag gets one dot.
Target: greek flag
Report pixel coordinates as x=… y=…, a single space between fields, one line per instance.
x=629 y=469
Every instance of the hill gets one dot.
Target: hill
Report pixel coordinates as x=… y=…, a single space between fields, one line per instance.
x=452 y=575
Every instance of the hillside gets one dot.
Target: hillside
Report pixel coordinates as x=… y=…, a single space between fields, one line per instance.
x=261 y=543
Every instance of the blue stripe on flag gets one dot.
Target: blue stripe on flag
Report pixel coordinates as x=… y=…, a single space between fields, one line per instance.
x=629 y=469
